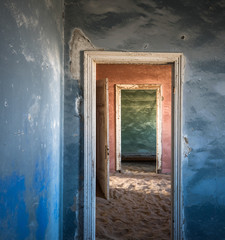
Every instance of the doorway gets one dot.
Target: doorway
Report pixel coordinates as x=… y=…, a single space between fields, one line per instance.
x=152 y=146
x=90 y=61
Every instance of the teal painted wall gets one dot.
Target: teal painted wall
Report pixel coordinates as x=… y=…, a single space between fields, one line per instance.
x=138 y=122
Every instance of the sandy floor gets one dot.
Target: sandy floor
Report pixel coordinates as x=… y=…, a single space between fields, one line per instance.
x=139 y=206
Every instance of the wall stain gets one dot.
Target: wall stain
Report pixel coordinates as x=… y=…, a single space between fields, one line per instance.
x=187 y=149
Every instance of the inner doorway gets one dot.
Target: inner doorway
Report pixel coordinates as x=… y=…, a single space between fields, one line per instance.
x=138 y=123
x=90 y=61
x=138 y=129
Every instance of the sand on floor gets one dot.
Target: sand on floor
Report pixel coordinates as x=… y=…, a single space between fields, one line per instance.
x=139 y=207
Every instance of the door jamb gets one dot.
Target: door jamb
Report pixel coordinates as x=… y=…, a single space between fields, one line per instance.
x=157 y=87
x=91 y=58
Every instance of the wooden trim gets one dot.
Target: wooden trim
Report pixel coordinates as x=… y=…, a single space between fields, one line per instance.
x=157 y=87
x=91 y=58
x=89 y=147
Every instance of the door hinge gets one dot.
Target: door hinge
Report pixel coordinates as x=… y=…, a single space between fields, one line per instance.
x=106 y=151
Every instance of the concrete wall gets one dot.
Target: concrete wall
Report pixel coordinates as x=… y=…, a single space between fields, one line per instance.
x=138 y=123
x=139 y=74
x=31 y=73
x=195 y=28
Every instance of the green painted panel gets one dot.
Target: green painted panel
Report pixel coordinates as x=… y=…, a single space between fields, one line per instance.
x=138 y=122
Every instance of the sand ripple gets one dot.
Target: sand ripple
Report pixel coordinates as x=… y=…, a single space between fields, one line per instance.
x=139 y=207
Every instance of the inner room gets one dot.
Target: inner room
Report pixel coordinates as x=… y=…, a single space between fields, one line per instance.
x=138 y=129
x=138 y=152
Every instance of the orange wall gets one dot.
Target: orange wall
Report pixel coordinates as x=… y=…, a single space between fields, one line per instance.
x=139 y=74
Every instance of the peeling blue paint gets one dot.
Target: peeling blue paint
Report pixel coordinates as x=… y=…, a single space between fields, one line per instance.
x=31 y=55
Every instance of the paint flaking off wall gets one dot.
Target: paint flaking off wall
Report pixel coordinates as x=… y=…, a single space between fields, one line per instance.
x=187 y=150
x=78 y=43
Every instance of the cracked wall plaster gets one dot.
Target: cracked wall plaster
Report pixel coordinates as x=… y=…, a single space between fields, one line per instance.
x=78 y=43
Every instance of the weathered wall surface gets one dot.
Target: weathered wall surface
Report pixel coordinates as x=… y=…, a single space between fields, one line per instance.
x=31 y=52
x=138 y=122
x=139 y=74
x=195 y=28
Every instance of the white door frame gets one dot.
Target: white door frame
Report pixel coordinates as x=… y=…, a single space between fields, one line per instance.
x=91 y=58
x=157 y=87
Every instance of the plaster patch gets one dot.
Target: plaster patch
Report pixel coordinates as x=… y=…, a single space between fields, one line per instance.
x=187 y=150
x=6 y=103
x=77 y=106
x=78 y=43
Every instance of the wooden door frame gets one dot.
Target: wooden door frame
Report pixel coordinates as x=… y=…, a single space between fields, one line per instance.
x=157 y=87
x=91 y=58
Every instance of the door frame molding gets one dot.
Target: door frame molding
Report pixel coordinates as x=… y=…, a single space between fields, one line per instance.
x=91 y=58
x=157 y=87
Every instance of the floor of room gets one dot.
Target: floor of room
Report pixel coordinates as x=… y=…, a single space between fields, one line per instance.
x=139 y=207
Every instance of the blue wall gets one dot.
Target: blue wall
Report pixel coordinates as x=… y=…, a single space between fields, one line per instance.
x=195 y=28
x=31 y=53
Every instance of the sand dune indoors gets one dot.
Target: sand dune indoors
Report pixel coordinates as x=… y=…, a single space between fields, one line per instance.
x=139 y=207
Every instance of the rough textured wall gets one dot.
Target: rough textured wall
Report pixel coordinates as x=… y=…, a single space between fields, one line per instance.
x=139 y=74
x=31 y=52
x=138 y=122
x=195 y=28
